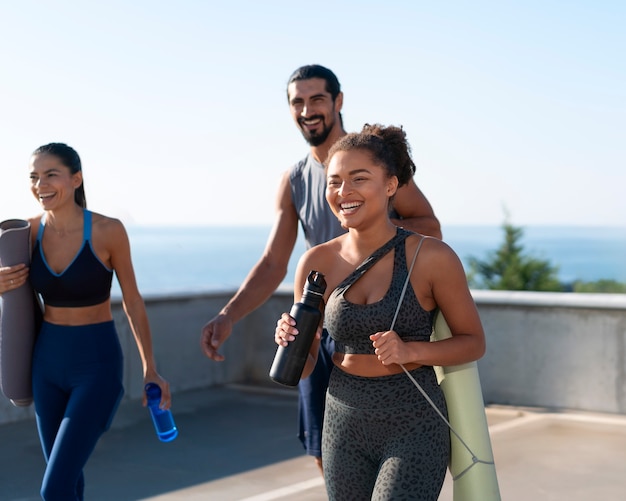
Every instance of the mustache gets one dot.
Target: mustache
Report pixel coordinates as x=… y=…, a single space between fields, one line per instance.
x=314 y=117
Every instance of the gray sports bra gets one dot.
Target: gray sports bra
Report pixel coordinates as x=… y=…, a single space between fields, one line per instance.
x=350 y=324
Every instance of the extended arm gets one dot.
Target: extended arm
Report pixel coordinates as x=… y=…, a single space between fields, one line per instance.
x=134 y=306
x=263 y=278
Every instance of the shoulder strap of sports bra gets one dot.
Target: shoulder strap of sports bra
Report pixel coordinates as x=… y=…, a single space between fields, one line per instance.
x=42 y=223
x=406 y=282
x=370 y=261
x=86 y=224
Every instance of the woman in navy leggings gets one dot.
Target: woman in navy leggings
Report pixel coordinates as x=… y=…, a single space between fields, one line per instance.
x=77 y=361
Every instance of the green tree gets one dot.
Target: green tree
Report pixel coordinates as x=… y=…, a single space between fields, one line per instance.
x=603 y=285
x=509 y=268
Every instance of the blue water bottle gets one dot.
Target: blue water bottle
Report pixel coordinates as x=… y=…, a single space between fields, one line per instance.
x=163 y=420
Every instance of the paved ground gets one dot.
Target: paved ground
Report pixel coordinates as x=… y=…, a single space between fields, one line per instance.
x=239 y=443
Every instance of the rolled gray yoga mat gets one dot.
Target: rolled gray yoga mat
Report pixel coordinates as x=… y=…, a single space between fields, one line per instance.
x=18 y=317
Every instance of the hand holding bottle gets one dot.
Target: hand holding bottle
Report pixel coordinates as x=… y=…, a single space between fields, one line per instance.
x=290 y=360
x=162 y=419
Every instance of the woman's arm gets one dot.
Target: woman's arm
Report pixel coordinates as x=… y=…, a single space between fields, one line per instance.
x=133 y=304
x=286 y=330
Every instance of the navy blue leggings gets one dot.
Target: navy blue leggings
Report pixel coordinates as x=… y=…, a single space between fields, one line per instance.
x=77 y=387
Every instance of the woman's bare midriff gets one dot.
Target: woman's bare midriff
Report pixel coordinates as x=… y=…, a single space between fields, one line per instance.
x=85 y=315
x=367 y=365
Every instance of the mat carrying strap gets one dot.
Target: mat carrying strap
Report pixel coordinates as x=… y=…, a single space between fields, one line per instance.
x=417 y=385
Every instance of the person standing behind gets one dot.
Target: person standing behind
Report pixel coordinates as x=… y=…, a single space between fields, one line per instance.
x=77 y=360
x=315 y=102
x=382 y=440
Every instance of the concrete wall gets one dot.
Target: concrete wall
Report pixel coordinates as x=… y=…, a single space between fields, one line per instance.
x=554 y=350
x=543 y=349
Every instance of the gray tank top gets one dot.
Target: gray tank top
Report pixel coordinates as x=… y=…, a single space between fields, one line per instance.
x=350 y=324
x=308 y=192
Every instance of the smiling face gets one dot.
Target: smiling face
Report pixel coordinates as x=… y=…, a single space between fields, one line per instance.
x=51 y=182
x=357 y=189
x=313 y=109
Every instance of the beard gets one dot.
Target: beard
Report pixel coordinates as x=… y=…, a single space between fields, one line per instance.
x=317 y=138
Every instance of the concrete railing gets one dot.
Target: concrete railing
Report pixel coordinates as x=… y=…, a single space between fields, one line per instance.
x=556 y=350
x=543 y=349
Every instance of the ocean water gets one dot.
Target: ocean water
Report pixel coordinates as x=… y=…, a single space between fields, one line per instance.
x=200 y=259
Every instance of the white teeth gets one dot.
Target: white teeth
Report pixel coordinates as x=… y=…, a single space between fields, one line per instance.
x=350 y=208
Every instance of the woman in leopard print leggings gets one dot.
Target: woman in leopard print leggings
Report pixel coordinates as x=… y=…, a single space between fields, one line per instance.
x=385 y=437
x=381 y=439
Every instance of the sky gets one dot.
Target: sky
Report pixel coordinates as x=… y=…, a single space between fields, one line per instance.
x=179 y=111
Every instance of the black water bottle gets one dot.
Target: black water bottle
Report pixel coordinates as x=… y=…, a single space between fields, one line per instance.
x=289 y=360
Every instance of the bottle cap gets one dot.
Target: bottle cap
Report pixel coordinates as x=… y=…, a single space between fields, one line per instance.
x=315 y=283
x=153 y=391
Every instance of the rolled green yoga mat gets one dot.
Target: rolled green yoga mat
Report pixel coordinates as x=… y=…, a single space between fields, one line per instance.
x=18 y=317
x=473 y=473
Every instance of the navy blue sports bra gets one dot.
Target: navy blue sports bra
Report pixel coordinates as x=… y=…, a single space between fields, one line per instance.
x=85 y=282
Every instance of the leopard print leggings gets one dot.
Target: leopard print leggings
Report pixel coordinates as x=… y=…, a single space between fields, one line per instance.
x=382 y=440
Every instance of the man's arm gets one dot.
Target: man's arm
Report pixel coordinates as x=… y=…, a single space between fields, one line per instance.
x=263 y=278
x=415 y=211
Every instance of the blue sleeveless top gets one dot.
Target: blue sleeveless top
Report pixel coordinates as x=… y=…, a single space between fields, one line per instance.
x=308 y=193
x=351 y=325
x=85 y=282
